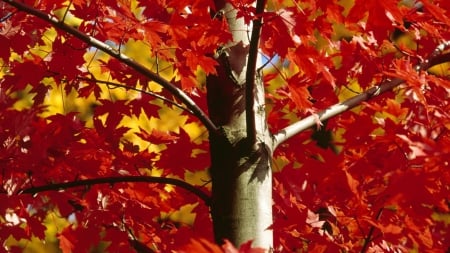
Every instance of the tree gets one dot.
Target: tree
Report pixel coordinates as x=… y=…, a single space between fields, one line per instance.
x=327 y=125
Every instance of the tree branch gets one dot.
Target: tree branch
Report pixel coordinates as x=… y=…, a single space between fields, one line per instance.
x=177 y=92
x=368 y=239
x=251 y=72
x=122 y=179
x=435 y=58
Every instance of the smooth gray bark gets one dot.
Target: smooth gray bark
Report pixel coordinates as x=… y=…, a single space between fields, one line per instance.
x=241 y=170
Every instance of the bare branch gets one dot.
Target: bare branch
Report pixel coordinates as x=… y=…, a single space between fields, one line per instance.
x=114 y=180
x=177 y=92
x=251 y=72
x=435 y=58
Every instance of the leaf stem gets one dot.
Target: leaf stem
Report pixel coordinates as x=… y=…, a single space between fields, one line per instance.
x=177 y=92
x=122 y=179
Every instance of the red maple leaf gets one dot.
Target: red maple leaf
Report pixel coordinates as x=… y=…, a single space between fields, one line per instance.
x=201 y=246
x=156 y=136
x=276 y=34
x=298 y=92
x=5 y=48
x=67 y=240
x=194 y=60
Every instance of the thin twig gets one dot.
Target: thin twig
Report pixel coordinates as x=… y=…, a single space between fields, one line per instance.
x=114 y=180
x=67 y=11
x=351 y=90
x=268 y=61
x=177 y=92
x=149 y=93
x=368 y=238
x=7 y=16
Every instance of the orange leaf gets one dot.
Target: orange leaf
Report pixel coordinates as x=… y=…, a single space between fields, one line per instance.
x=299 y=93
x=247 y=248
x=392 y=229
x=352 y=183
x=156 y=136
x=67 y=240
x=200 y=246
x=228 y=247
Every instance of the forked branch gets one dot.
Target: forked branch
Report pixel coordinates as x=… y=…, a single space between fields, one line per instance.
x=177 y=92
x=114 y=180
x=435 y=58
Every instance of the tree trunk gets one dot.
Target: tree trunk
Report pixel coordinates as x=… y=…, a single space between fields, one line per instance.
x=240 y=170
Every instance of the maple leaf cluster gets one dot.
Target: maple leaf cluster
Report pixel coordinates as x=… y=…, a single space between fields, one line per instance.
x=372 y=179
x=44 y=147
